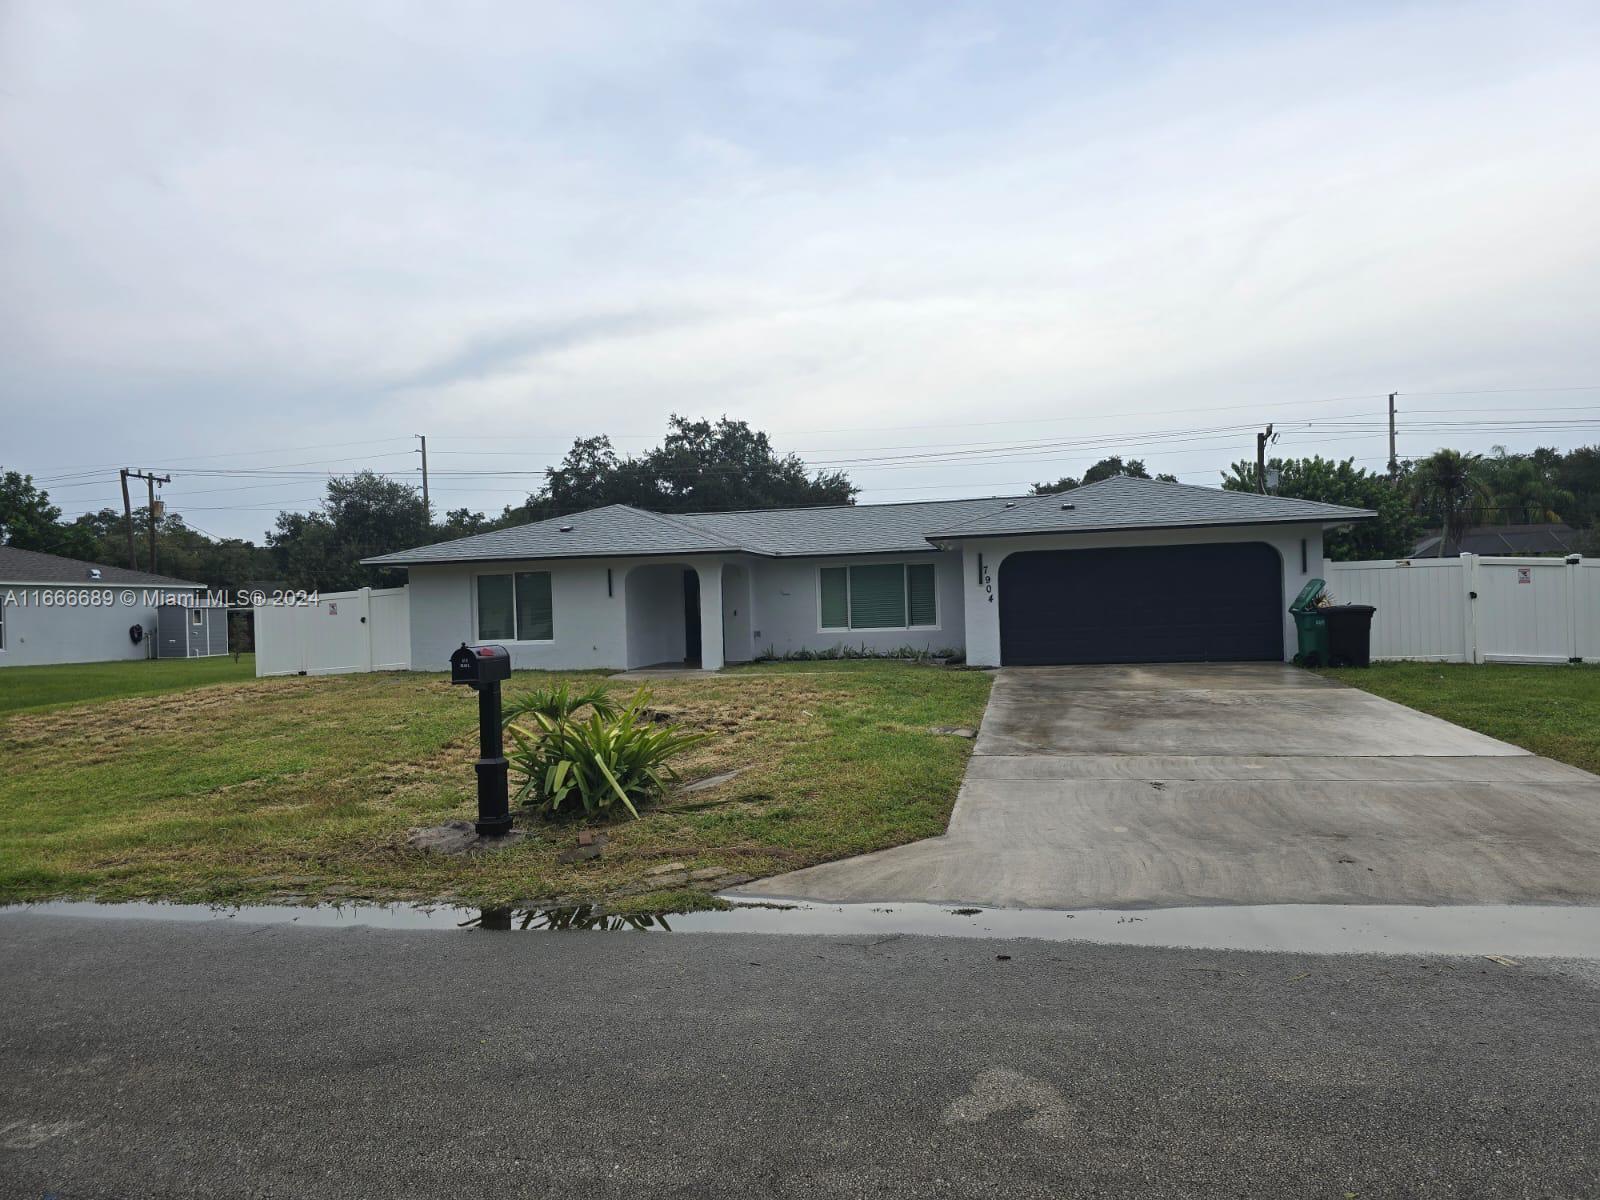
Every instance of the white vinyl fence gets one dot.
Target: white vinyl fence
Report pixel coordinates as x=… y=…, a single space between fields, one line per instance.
x=344 y=632
x=1476 y=608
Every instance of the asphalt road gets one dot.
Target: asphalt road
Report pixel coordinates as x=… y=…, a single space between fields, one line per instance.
x=154 y=1059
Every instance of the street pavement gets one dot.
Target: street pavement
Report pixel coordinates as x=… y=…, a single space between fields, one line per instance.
x=226 y=1059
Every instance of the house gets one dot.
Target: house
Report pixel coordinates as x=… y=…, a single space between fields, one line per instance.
x=1552 y=539
x=63 y=610
x=1124 y=570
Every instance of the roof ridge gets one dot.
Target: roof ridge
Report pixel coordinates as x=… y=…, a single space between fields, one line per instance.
x=982 y=515
x=671 y=521
x=733 y=512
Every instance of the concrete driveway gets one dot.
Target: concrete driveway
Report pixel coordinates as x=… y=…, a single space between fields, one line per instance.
x=1106 y=787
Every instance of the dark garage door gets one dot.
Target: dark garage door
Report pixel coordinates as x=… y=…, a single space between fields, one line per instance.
x=1219 y=603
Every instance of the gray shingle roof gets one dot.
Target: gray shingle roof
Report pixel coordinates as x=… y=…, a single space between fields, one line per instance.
x=612 y=532
x=841 y=529
x=619 y=531
x=32 y=566
x=1123 y=502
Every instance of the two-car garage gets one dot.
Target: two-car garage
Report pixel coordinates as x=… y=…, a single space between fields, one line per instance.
x=1198 y=602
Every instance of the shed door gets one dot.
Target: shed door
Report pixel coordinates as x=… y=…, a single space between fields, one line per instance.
x=1216 y=603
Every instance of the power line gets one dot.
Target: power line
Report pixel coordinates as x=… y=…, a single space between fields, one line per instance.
x=1582 y=387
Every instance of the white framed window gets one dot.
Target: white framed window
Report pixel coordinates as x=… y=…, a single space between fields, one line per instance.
x=515 y=607
x=197 y=617
x=878 y=596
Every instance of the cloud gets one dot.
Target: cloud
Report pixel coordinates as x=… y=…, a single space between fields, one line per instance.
x=536 y=222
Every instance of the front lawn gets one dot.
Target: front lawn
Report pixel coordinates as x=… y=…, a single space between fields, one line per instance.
x=307 y=786
x=1554 y=711
x=73 y=683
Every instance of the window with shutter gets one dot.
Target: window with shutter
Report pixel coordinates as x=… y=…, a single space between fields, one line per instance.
x=496 y=613
x=535 y=621
x=920 y=600
x=878 y=597
x=835 y=599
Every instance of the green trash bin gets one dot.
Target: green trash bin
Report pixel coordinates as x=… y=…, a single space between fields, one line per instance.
x=1311 y=626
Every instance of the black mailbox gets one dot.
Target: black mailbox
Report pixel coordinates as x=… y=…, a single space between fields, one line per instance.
x=480 y=664
x=482 y=668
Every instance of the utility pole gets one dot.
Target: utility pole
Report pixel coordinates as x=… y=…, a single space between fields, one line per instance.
x=1394 y=459
x=127 y=520
x=150 y=487
x=1261 y=459
x=423 y=438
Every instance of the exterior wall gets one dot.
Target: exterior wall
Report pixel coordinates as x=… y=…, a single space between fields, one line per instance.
x=590 y=626
x=747 y=605
x=982 y=607
x=785 y=614
x=736 y=613
x=179 y=636
x=36 y=634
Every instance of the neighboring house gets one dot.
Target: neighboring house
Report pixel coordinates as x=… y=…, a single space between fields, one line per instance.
x=61 y=610
x=1504 y=539
x=1125 y=570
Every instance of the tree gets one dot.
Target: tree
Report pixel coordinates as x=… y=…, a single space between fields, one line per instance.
x=462 y=522
x=362 y=515
x=1579 y=473
x=1448 y=486
x=1390 y=535
x=1065 y=484
x=701 y=466
x=1110 y=468
x=28 y=520
x=1106 y=468
x=1523 y=488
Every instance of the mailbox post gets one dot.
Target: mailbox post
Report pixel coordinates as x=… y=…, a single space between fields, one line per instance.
x=482 y=668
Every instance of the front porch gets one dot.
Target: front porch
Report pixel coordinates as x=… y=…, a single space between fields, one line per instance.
x=687 y=615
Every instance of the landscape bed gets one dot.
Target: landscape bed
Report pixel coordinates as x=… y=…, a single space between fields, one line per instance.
x=1550 y=710
x=297 y=787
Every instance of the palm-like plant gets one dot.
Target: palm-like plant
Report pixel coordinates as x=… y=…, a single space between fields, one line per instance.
x=1521 y=492
x=1448 y=484
x=559 y=702
x=605 y=760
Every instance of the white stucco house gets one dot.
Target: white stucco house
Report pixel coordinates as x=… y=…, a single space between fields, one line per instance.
x=64 y=610
x=1125 y=570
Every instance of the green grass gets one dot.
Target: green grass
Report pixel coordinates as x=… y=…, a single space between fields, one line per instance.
x=1553 y=711
x=23 y=688
x=307 y=786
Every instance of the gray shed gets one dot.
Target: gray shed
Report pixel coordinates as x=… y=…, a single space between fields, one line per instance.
x=191 y=630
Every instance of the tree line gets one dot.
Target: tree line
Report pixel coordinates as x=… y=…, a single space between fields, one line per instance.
x=1449 y=491
x=707 y=466
x=700 y=466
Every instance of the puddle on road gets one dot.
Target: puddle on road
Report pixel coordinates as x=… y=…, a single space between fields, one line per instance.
x=1511 y=930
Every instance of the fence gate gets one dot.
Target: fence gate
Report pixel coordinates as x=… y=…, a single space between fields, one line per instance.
x=343 y=633
x=1477 y=609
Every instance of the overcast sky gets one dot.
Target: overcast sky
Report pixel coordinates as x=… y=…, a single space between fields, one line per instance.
x=291 y=235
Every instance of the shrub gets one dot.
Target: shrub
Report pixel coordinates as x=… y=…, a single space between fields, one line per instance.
x=559 y=701
x=601 y=761
x=906 y=653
